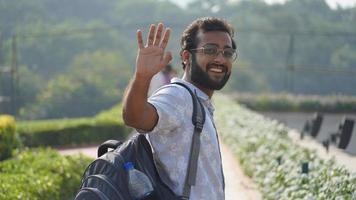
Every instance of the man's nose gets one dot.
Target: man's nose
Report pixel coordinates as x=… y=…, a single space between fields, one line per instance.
x=220 y=58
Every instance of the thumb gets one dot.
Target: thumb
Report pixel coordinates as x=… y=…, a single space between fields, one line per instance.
x=167 y=58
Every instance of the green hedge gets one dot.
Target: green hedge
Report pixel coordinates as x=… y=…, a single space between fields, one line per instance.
x=300 y=103
x=41 y=174
x=74 y=132
x=267 y=154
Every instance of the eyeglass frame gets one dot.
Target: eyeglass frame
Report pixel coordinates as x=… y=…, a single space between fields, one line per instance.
x=233 y=58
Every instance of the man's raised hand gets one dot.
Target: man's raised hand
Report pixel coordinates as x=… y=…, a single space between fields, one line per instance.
x=151 y=58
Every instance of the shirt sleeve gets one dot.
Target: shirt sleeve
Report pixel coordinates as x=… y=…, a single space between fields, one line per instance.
x=172 y=106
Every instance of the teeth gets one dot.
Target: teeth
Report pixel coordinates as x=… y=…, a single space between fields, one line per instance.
x=218 y=70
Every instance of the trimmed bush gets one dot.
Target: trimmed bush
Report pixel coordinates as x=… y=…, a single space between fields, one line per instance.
x=274 y=162
x=41 y=174
x=70 y=132
x=300 y=103
x=73 y=132
x=9 y=139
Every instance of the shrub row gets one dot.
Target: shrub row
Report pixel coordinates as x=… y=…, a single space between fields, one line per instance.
x=74 y=132
x=289 y=102
x=267 y=154
x=43 y=173
x=30 y=175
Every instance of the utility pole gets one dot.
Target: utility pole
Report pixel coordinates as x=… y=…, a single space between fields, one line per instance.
x=3 y=70
x=289 y=82
x=9 y=95
x=14 y=76
x=1 y=51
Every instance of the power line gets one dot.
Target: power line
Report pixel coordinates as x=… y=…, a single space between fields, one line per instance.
x=133 y=27
x=310 y=68
x=128 y=27
x=298 y=32
x=324 y=69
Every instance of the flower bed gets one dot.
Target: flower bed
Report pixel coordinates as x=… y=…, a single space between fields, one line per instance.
x=274 y=162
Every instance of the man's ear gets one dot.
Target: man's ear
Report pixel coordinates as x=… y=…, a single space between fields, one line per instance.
x=186 y=57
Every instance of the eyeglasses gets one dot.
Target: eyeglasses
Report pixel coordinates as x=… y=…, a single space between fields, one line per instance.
x=209 y=50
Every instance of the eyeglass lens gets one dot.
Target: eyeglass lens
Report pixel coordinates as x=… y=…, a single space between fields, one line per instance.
x=227 y=53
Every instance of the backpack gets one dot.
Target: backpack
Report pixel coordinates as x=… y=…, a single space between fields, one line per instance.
x=106 y=179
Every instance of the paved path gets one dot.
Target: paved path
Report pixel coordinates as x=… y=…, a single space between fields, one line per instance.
x=238 y=185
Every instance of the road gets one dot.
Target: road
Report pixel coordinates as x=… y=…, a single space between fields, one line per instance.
x=329 y=125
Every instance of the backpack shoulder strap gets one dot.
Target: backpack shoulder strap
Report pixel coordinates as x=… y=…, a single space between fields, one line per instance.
x=198 y=120
x=198 y=117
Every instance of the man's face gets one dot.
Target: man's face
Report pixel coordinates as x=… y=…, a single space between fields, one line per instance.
x=211 y=71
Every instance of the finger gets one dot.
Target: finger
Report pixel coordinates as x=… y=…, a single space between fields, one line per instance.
x=158 y=34
x=139 y=39
x=167 y=58
x=151 y=35
x=167 y=33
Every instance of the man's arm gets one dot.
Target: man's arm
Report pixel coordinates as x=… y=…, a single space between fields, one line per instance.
x=137 y=112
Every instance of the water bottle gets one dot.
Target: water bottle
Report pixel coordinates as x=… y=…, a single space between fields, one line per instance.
x=140 y=186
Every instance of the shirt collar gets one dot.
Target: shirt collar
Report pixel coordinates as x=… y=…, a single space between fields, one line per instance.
x=200 y=93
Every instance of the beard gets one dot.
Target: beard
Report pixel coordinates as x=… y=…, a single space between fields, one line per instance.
x=202 y=78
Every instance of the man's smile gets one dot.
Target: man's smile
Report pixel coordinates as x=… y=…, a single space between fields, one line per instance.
x=216 y=68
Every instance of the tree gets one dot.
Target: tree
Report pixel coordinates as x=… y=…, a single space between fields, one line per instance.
x=92 y=83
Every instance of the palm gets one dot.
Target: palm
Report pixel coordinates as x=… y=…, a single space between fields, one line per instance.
x=152 y=58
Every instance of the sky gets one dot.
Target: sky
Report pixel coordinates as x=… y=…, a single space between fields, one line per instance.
x=332 y=3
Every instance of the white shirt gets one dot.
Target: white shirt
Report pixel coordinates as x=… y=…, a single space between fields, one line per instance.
x=171 y=139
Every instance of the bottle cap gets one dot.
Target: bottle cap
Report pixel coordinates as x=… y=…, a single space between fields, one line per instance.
x=128 y=166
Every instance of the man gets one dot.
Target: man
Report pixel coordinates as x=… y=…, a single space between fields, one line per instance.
x=208 y=51
x=160 y=79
